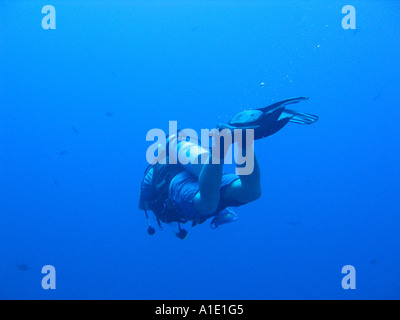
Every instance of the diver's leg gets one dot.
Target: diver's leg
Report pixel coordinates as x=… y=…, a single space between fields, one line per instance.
x=247 y=188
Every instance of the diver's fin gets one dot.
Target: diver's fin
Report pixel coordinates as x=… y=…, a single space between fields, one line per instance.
x=299 y=117
x=268 y=128
x=269 y=120
x=282 y=103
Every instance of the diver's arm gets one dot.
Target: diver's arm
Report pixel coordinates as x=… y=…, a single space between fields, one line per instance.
x=207 y=198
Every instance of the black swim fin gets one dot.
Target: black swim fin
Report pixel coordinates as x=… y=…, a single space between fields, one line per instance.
x=269 y=120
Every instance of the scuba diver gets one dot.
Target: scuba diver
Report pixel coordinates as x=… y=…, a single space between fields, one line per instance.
x=198 y=191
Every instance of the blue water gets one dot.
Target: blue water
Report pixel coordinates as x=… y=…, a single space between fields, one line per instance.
x=76 y=104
